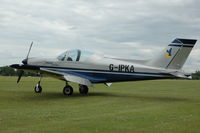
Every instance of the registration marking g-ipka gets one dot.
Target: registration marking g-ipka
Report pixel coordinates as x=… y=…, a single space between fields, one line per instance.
x=122 y=68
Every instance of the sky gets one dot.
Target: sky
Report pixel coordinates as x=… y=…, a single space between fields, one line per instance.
x=133 y=29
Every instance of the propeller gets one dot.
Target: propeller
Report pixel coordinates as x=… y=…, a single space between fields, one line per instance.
x=25 y=62
x=20 y=75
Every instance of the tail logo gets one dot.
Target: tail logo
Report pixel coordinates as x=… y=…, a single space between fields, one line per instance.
x=169 y=53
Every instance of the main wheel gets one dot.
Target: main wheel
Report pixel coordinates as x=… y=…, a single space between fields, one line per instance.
x=68 y=90
x=83 y=89
x=38 y=89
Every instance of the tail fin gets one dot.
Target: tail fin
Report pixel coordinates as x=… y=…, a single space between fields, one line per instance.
x=175 y=55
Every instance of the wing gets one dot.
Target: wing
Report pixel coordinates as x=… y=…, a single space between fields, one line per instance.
x=60 y=75
x=68 y=77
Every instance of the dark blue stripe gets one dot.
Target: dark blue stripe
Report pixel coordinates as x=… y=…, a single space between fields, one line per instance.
x=34 y=67
x=102 y=77
x=185 y=41
x=97 y=70
x=180 y=45
x=107 y=77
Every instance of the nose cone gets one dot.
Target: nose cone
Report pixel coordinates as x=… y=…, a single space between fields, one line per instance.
x=25 y=61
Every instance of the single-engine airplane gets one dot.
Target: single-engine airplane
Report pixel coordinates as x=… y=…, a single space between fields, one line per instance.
x=86 y=68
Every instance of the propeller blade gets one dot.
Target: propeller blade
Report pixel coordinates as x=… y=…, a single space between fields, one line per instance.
x=29 y=50
x=20 y=75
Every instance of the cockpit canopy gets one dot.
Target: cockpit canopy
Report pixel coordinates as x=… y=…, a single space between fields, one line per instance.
x=75 y=55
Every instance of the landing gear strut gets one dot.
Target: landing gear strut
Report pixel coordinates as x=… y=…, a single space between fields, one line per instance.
x=38 y=87
x=83 y=89
x=67 y=90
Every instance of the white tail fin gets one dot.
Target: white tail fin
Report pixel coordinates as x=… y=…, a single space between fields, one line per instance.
x=175 y=55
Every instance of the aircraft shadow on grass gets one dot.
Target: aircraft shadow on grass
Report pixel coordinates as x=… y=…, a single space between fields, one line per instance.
x=53 y=96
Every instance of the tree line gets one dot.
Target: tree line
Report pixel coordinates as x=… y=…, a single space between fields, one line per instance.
x=7 y=71
x=196 y=75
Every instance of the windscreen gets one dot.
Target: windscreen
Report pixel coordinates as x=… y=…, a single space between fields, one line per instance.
x=71 y=55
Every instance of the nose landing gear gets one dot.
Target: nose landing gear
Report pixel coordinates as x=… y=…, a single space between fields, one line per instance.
x=38 y=87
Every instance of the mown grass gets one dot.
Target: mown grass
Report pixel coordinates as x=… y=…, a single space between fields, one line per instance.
x=161 y=106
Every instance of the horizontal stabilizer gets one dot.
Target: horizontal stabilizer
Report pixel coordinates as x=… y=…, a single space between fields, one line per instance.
x=182 y=75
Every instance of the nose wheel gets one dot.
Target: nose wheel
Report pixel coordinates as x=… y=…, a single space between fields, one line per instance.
x=38 y=88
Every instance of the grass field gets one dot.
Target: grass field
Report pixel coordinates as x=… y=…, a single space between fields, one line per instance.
x=162 y=106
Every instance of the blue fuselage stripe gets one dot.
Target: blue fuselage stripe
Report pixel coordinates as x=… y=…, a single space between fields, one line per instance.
x=108 y=76
x=98 y=70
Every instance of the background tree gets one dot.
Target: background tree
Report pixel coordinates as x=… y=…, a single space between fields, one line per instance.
x=8 y=71
x=196 y=75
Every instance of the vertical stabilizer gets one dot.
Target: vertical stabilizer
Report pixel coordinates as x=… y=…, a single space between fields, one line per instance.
x=175 y=55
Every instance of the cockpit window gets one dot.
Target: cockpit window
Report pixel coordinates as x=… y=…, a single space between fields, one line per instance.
x=75 y=55
x=72 y=55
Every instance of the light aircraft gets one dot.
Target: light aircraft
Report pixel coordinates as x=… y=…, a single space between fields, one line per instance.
x=87 y=68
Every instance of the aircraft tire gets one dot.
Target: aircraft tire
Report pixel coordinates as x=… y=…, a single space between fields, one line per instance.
x=83 y=89
x=67 y=90
x=38 y=89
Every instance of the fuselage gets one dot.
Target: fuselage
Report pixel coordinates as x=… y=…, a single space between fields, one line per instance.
x=100 y=69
